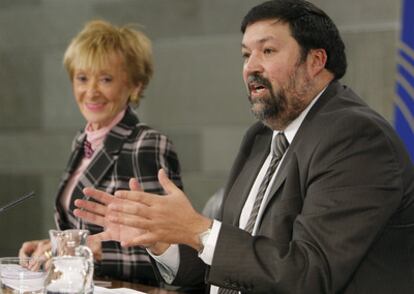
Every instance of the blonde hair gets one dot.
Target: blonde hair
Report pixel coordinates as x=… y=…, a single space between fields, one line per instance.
x=98 y=39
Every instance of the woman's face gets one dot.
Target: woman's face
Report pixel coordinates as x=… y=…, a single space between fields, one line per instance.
x=102 y=94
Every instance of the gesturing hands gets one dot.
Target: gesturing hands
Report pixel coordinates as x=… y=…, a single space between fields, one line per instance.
x=96 y=213
x=139 y=218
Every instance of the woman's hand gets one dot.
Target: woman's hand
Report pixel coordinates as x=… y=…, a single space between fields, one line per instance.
x=35 y=248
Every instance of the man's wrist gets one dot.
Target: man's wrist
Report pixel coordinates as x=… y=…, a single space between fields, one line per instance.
x=203 y=237
x=209 y=248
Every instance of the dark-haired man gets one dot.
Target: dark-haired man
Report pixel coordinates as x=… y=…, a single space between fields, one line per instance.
x=320 y=198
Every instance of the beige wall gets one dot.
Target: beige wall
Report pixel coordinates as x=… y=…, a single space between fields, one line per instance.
x=197 y=96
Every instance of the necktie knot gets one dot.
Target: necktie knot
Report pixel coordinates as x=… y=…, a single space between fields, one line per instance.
x=87 y=149
x=280 y=145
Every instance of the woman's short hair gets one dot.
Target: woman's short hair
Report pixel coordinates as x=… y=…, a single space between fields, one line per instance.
x=98 y=39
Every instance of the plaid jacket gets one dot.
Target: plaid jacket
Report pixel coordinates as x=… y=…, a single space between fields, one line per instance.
x=131 y=149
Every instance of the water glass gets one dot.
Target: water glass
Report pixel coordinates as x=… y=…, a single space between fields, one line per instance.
x=66 y=244
x=68 y=275
x=22 y=275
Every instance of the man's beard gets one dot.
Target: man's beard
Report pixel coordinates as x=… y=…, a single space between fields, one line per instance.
x=281 y=107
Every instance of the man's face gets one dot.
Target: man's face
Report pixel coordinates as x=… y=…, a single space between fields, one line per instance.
x=275 y=75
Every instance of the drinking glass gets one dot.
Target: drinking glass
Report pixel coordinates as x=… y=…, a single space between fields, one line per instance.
x=72 y=243
x=65 y=242
x=22 y=275
x=68 y=275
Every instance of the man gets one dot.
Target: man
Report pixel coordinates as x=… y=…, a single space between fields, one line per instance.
x=320 y=198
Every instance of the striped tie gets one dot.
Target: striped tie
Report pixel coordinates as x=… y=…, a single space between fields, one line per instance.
x=279 y=147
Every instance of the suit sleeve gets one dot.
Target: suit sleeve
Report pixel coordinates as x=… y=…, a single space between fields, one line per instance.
x=352 y=188
x=151 y=152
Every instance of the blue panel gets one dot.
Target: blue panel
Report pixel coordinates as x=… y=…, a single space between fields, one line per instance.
x=407 y=36
x=405 y=132
x=406 y=98
x=407 y=57
x=408 y=76
x=407 y=32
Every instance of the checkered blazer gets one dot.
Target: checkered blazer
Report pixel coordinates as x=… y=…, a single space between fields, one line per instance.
x=131 y=149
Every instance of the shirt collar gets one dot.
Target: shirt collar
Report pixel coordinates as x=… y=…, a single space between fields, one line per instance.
x=96 y=137
x=291 y=130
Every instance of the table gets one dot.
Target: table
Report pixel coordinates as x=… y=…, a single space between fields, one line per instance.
x=135 y=286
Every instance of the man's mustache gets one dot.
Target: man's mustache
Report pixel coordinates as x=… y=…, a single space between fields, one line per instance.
x=256 y=78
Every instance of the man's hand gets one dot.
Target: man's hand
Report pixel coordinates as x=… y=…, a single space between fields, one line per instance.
x=96 y=213
x=95 y=244
x=168 y=219
x=139 y=218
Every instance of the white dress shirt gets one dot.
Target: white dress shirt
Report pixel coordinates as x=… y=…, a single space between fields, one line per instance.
x=168 y=262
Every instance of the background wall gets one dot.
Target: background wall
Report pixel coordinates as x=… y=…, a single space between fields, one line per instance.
x=197 y=96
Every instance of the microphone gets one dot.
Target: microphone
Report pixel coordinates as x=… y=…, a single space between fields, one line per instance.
x=17 y=201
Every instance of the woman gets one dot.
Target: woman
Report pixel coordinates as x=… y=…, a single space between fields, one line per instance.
x=109 y=68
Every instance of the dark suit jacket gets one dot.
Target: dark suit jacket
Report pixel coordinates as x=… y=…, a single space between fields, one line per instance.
x=340 y=218
x=131 y=149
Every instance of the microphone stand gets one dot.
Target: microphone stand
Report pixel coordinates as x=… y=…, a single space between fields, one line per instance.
x=16 y=202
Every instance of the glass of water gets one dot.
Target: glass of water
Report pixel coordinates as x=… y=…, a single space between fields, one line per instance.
x=22 y=275
x=68 y=275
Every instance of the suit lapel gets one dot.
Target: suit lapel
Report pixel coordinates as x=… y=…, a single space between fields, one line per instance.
x=74 y=159
x=331 y=90
x=106 y=156
x=251 y=168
